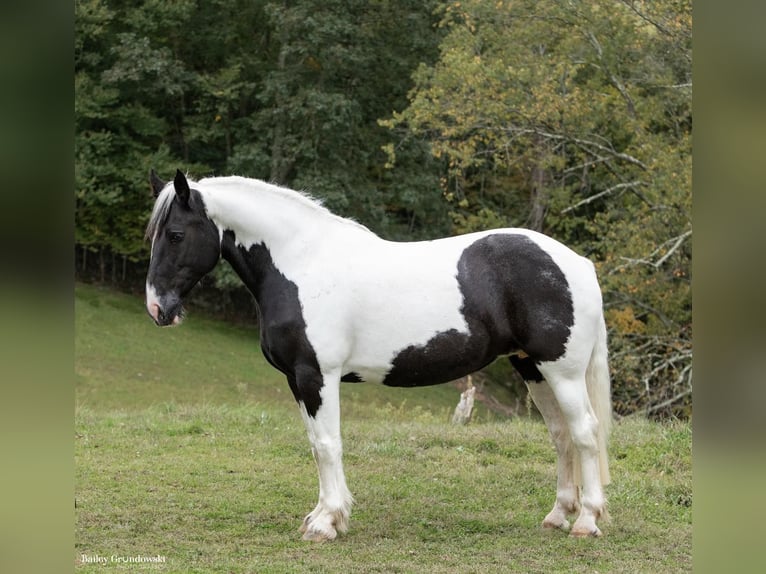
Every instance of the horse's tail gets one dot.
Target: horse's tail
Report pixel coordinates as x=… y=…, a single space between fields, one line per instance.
x=599 y=392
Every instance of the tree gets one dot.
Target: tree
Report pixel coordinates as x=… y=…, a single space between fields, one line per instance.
x=287 y=91
x=120 y=76
x=339 y=66
x=575 y=119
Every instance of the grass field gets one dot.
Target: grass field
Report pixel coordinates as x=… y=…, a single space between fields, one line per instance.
x=189 y=449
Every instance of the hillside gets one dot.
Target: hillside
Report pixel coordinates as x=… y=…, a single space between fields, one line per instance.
x=189 y=448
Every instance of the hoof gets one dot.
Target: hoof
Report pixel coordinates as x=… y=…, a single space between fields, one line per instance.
x=318 y=536
x=585 y=533
x=555 y=525
x=313 y=532
x=305 y=526
x=557 y=518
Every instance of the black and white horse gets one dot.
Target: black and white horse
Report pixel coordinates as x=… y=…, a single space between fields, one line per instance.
x=338 y=303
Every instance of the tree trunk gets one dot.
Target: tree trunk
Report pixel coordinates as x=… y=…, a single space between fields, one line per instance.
x=280 y=165
x=539 y=197
x=464 y=408
x=539 y=200
x=102 y=265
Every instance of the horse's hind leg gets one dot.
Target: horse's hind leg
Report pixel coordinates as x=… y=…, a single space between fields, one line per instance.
x=572 y=397
x=566 y=490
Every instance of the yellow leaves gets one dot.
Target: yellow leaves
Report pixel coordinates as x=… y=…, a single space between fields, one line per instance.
x=388 y=149
x=624 y=321
x=313 y=64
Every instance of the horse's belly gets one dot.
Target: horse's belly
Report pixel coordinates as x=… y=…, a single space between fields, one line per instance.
x=396 y=299
x=384 y=332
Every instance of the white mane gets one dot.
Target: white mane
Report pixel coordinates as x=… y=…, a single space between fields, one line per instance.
x=160 y=210
x=212 y=184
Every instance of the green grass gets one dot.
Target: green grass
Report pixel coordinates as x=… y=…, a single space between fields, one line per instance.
x=189 y=446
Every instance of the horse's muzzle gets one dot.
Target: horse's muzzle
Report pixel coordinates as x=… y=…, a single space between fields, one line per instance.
x=162 y=318
x=165 y=310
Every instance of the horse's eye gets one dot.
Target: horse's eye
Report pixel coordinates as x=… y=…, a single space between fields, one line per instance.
x=175 y=236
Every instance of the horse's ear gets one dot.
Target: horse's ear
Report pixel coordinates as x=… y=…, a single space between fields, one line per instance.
x=157 y=184
x=182 y=188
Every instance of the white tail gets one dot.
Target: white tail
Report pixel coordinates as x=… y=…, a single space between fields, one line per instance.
x=600 y=395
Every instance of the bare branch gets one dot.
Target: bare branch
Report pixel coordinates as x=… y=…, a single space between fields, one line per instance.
x=646 y=18
x=596 y=196
x=676 y=242
x=674 y=86
x=634 y=350
x=611 y=151
x=670 y=362
x=585 y=165
x=616 y=82
x=679 y=241
x=584 y=144
x=668 y=402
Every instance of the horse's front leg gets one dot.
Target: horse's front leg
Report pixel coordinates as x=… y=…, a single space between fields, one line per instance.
x=321 y=414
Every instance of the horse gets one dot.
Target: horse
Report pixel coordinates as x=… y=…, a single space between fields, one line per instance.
x=337 y=303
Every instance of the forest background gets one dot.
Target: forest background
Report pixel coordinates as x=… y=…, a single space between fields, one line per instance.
x=419 y=119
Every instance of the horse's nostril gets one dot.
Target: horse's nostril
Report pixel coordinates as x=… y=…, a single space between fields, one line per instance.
x=154 y=311
x=160 y=316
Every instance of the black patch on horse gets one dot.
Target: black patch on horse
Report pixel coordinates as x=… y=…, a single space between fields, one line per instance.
x=526 y=367
x=283 y=328
x=515 y=297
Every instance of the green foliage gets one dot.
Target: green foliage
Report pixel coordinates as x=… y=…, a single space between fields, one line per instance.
x=288 y=92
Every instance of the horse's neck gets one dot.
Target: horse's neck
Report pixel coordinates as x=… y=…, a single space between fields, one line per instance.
x=264 y=229
x=259 y=213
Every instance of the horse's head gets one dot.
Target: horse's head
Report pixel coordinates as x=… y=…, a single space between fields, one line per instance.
x=185 y=247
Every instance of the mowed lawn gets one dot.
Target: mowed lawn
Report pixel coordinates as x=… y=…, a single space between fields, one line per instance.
x=190 y=451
